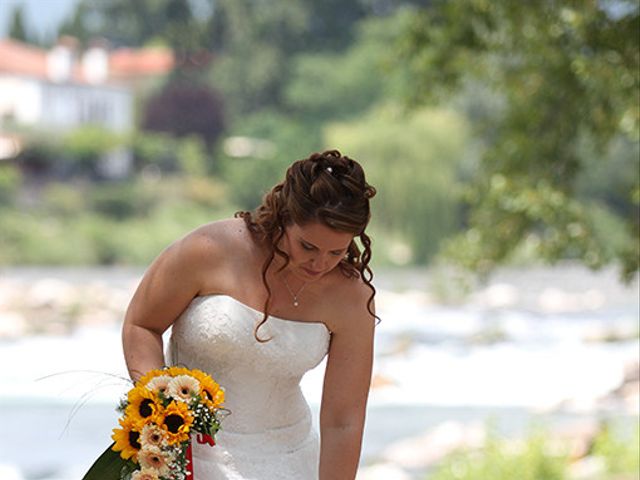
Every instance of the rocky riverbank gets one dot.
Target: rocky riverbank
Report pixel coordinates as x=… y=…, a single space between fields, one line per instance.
x=558 y=344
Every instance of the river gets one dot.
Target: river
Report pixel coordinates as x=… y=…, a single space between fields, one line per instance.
x=540 y=343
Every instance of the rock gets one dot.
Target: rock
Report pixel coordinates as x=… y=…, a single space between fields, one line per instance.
x=626 y=396
x=555 y=300
x=574 y=439
x=430 y=448
x=381 y=381
x=12 y=325
x=499 y=295
x=587 y=468
x=382 y=471
x=51 y=292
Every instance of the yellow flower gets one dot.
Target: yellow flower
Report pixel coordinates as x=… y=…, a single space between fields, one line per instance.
x=153 y=458
x=183 y=388
x=145 y=474
x=144 y=406
x=151 y=374
x=176 y=420
x=210 y=391
x=127 y=439
x=175 y=371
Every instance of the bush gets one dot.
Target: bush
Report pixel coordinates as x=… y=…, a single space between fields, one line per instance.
x=500 y=461
x=108 y=223
x=10 y=182
x=620 y=452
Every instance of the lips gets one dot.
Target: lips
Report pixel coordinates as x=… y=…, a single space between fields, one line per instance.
x=311 y=272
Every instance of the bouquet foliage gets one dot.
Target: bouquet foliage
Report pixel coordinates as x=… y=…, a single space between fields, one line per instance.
x=158 y=416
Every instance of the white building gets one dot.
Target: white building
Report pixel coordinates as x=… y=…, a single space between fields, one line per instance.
x=63 y=88
x=59 y=90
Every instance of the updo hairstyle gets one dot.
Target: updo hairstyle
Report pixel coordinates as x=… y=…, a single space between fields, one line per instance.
x=328 y=188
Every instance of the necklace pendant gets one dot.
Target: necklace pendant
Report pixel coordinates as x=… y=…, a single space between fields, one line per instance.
x=295 y=303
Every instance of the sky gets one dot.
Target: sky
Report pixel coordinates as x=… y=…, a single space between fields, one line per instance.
x=41 y=16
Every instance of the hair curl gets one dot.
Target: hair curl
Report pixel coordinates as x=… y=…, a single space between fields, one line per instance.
x=326 y=187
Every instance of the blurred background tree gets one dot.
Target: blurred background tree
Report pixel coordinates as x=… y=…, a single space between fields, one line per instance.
x=17 y=27
x=494 y=131
x=186 y=108
x=568 y=76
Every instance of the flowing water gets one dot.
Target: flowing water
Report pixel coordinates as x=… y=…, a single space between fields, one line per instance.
x=549 y=344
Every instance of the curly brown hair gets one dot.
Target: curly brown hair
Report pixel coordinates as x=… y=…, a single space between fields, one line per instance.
x=326 y=187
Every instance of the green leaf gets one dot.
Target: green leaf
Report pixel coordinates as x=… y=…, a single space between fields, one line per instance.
x=107 y=467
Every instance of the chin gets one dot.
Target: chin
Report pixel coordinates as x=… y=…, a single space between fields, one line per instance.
x=310 y=274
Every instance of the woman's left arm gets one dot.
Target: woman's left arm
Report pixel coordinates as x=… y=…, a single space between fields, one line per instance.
x=346 y=389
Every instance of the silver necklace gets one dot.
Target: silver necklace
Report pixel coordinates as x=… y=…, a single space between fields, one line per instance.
x=294 y=295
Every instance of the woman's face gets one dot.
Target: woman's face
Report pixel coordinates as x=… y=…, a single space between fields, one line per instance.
x=314 y=249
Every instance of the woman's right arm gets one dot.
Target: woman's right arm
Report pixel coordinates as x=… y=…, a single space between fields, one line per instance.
x=166 y=289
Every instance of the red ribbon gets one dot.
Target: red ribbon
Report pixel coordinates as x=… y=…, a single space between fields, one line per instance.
x=189 y=462
x=202 y=439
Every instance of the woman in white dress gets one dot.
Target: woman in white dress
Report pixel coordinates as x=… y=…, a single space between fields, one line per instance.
x=258 y=300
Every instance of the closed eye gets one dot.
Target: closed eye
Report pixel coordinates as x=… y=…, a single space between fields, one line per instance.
x=335 y=253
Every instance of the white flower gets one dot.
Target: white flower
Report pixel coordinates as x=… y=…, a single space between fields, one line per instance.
x=183 y=387
x=152 y=434
x=159 y=384
x=145 y=474
x=152 y=458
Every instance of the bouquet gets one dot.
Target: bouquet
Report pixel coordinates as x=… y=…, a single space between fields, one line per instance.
x=158 y=416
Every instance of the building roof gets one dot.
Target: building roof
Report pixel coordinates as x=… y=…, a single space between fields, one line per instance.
x=124 y=64
x=127 y=62
x=22 y=59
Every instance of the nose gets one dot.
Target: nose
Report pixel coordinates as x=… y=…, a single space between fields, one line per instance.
x=319 y=263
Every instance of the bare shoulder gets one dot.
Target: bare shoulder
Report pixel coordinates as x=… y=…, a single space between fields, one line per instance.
x=213 y=241
x=206 y=250
x=190 y=266
x=350 y=304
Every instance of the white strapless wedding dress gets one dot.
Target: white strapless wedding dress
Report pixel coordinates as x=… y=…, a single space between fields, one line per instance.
x=269 y=434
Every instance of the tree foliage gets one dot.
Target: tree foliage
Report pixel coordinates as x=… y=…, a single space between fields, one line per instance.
x=413 y=160
x=17 y=28
x=568 y=73
x=183 y=108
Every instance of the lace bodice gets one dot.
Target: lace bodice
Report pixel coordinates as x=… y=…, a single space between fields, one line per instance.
x=268 y=434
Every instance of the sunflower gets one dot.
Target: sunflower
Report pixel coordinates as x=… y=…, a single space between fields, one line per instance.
x=210 y=391
x=145 y=474
x=175 y=371
x=127 y=439
x=176 y=420
x=151 y=374
x=183 y=388
x=143 y=405
x=154 y=458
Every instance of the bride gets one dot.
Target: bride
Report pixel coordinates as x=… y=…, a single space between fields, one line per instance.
x=258 y=300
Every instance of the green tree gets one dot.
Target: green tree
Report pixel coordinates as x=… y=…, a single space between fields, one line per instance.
x=413 y=160
x=335 y=85
x=17 y=28
x=185 y=108
x=124 y=23
x=261 y=46
x=568 y=74
x=252 y=41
